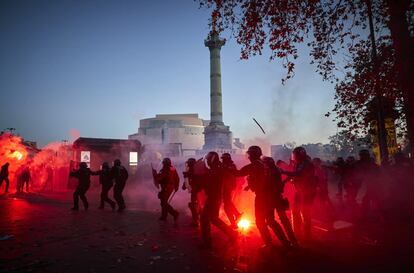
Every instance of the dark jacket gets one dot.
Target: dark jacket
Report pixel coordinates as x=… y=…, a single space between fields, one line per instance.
x=255 y=172
x=105 y=177
x=83 y=175
x=304 y=177
x=168 y=179
x=119 y=174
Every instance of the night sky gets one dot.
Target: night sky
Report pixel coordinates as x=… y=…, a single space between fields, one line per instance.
x=97 y=67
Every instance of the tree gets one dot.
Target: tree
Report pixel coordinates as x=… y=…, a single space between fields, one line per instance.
x=355 y=94
x=344 y=146
x=328 y=27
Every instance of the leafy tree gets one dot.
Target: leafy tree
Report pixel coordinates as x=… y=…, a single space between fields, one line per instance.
x=355 y=95
x=328 y=27
x=344 y=146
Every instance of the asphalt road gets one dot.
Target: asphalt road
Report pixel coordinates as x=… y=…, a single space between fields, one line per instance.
x=48 y=237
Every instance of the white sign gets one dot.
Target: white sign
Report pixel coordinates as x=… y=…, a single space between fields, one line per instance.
x=133 y=158
x=85 y=156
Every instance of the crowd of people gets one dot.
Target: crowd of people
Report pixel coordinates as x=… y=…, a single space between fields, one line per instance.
x=115 y=176
x=217 y=177
x=267 y=179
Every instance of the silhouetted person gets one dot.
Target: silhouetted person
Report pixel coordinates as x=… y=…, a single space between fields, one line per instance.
x=193 y=184
x=105 y=179
x=367 y=172
x=322 y=192
x=120 y=176
x=4 y=176
x=229 y=185
x=305 y=184
x=265 y=191
x=340 y=167
x=83 y=174
x=275 y=188
x=351 y=183
x=169 y=181
x=212 y=183
x=23 y=178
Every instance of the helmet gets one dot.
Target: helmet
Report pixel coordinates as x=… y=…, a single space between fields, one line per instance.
x=105 y=166
x=226 y=158
x=117 y=162
x=268 y=161
x=190 y=162
x=212 y=159
x=166 y=162
x=83 y=165
x=299 y=154
x=255 y=152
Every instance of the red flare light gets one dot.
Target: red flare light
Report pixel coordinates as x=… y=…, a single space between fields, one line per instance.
x=16 y=154
x=243 y=225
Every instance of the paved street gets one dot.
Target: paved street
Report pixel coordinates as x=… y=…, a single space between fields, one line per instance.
x=48 y=237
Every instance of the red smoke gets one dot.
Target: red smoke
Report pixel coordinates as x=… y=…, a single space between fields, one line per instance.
x=49 y=165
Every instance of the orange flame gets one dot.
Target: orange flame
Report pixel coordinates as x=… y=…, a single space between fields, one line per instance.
x=16 y=154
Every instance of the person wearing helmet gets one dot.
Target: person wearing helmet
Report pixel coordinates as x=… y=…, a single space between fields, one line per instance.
x=275 y=187
x=83 y=174
x=120 y=175
x=305 y=184
x=212 y=184
x=169 y=181
x=263 y=202
x=193 y=185
x=105 y=179
x=229 y=185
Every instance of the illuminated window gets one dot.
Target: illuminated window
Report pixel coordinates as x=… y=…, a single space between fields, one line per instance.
x=133 y=158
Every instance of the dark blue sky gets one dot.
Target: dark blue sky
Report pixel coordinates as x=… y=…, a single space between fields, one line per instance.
x=100 y=66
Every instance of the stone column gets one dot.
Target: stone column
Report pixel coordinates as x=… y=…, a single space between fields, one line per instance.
x=214 y=44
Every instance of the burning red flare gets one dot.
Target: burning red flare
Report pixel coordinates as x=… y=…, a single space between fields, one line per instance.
x=16 y=154
x=244 y=225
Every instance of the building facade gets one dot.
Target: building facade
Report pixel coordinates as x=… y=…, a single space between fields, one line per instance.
x=171 y=134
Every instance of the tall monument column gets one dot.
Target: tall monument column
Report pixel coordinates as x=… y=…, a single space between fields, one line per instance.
x=214 y=44
x=217 y=136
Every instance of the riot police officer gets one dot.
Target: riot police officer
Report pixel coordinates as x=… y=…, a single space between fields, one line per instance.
x=265 y=193
x=169 y=181
x=120 y=176
x=229 y=185
x=212 y=184
x=193 y=185
x=83 y=174
x=105 y=179
x=305 y=184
